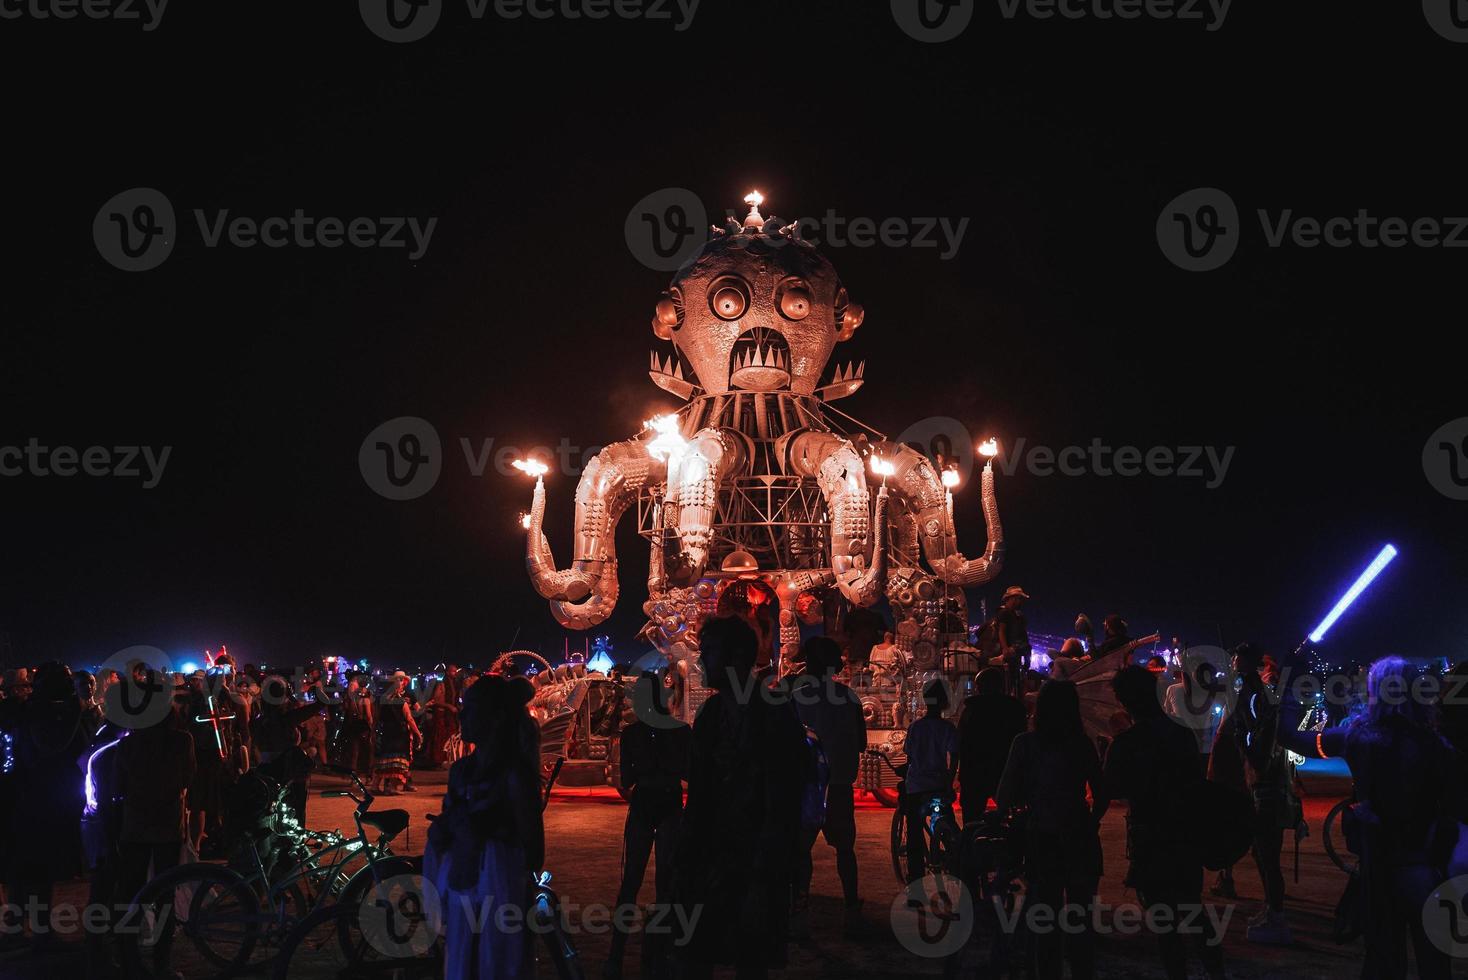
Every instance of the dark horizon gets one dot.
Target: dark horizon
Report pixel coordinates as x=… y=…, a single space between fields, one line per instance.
x=1058 y=320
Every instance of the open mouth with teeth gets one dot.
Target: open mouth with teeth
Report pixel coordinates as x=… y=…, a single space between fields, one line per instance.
x=760 y=360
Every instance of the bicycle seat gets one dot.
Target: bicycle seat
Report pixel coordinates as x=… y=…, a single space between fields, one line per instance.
x=390 y=822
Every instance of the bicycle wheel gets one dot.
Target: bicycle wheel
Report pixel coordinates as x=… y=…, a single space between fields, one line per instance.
x=198 y=920
x=397 y=889
x=899 y=846
x=1328 y=831
x=313 y=950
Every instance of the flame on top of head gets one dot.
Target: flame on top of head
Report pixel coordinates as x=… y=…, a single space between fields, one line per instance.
x=989 y=447
x=531 y=467
x=883 y=467
x=951 y=478
x=755 y=198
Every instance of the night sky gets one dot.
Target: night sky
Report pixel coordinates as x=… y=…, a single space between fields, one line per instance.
x=1059 y=320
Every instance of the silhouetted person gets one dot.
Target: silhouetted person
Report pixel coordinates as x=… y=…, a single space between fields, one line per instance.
x=42 y=844
x=831 y=710
x=932 y=764
x=1253 y=727
x=490 y=835
x=1115 y=636
x=1013 y=635
x=358 y=724
x=748 y=767
x=276 y=732
x=1406 y=780
x=153 y=768
x=397 y=733
x=991 y=719
x=1153 y=765
x=1049 y=771
x=655 y=750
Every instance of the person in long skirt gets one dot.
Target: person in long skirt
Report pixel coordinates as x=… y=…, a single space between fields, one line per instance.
x=397 y=733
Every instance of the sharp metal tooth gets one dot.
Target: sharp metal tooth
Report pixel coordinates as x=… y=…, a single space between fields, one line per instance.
x=840 y=376
x=757 y=361
x=861 y=369
x=678 y=370
x=654 y=360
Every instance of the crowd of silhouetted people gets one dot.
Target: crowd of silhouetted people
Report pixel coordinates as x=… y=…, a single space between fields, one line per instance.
x=731 y=807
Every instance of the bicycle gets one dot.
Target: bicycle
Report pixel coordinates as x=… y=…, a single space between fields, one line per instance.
x=993 y=872
x=408 y=935
x=939 y=828
x=226 y=914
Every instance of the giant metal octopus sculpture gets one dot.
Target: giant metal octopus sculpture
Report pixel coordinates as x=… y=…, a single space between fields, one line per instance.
x=753 y=490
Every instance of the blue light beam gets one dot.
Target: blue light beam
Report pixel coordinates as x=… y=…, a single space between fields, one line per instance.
x=1382 y=559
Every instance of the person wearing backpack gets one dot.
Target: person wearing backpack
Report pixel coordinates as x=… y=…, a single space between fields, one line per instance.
x=832 y=711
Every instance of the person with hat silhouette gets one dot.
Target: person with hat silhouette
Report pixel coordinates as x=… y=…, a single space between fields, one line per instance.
x=1014 y=635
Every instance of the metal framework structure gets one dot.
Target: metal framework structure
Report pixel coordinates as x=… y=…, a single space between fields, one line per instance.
x=758 y=498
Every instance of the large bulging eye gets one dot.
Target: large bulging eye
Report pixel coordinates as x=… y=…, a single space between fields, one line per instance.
x=728 y=298
x=795 y=302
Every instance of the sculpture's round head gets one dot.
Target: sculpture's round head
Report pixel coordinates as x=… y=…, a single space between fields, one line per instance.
x=757 y=309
